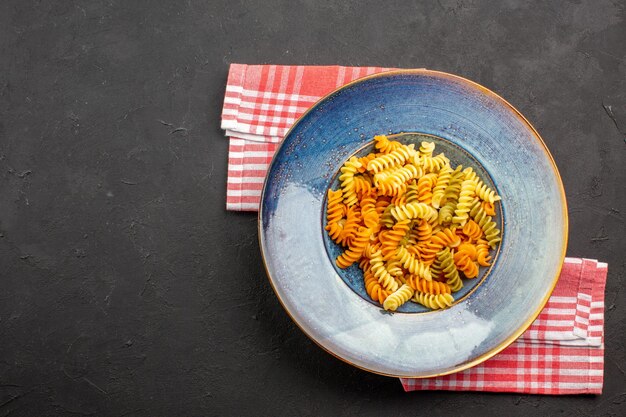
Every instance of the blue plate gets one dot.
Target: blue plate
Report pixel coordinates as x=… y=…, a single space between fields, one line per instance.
x=474 y=127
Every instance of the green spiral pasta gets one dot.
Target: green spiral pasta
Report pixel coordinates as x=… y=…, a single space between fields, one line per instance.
x=412 y=193
x=492 y=233
x=453 y=279
x=387 y=218
x=435 y=302
x=399 y=297
x=451 y=197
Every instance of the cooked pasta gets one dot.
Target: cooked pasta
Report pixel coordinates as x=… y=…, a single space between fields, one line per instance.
x=453 y=279
x=428 y=287
x=415 y=225
x=434 y=302
x=399 y=297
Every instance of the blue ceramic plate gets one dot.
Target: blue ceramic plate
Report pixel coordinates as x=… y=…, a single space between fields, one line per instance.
x=474 y=127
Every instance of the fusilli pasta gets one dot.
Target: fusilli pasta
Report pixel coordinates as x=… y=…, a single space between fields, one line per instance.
x=415 y=225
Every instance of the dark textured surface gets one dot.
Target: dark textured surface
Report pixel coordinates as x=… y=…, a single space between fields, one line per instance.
x=127 y=289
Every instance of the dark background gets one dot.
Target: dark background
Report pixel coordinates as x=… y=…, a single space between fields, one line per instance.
x=128 y=290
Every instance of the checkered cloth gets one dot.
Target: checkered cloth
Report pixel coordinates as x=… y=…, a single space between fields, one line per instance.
x=563 y=350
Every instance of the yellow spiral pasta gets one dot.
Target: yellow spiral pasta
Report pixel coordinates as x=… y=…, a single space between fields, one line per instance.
x=399 y=156
x=362 y=184
x=434 y=302
x=348 y=170
x=412 y=264
x=443 y=179
x=402 y=175
x=414 y=211
x=426 y=149
x=435 y=163
x=380 y=272
x=466 y=197
x=397 y=298
x=485 y=193
x=416 y=226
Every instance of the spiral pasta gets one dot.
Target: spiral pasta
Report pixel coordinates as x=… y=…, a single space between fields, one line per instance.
x=428 y=287
x=443 y=179
x=466 y=196
x=373 y=287
x=434 y=164
x=434 y=302
x=415 y=225
x=412 y=264
x=397 y=157
x=414 y=211
x=399 y=297
x=355 y=249
x=425 y=188
x=472 y=230
x=450 y=272
x=426 y=149
x=485 y=193
x=482 y=253
x=380 y=272
x=492 y=233
x=389 y=246
x=384 y=145
x=348 y=186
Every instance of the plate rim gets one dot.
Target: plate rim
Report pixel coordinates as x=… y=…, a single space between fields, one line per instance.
x=426 y=72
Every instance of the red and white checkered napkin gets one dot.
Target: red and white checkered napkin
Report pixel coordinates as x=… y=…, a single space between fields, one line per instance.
x=261 y=104
x=563 y=350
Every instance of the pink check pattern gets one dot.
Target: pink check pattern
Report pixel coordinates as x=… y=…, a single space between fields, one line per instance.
x=562 y=352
